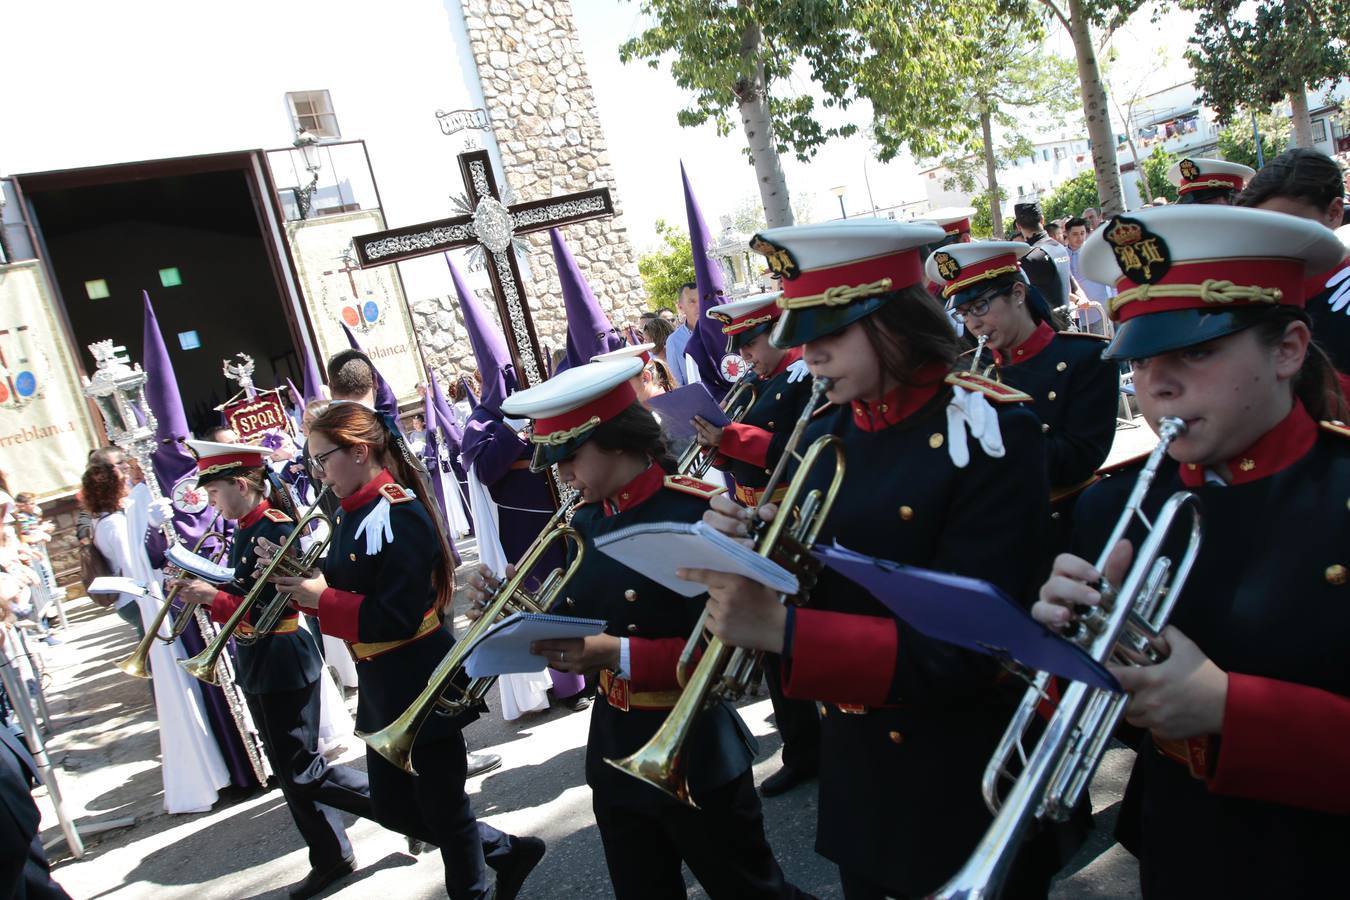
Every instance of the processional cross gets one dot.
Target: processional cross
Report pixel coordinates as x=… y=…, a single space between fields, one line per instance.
x=488 y=222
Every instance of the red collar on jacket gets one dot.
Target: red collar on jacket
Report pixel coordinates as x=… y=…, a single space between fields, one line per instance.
x=639 y=489
x=254 y=515
x=368 y=492
x=1276 y=450
x=1039 y=340
x=790 y=357
x=902 y=402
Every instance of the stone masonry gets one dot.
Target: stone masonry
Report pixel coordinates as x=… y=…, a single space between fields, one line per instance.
x=543 y=113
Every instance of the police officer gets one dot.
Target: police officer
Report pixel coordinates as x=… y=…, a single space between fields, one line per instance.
x=944 y=470
x=279 y=671
x=383 y=587
x=588 y=422
x=1243 y=785
x=748 y=450
x=1048 y=268
x=1074 y=392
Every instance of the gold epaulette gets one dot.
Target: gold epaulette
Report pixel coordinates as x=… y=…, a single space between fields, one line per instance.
x=276 y=515
x=994 y=390
x=1083 y=334
x=395 y=494
x=1336 y=428
x=686 y=485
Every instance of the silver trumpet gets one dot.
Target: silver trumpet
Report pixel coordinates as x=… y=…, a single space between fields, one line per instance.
x=1058 y=770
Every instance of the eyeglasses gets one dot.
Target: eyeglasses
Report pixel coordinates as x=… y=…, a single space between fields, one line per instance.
x=316 y=462
x=977 y=308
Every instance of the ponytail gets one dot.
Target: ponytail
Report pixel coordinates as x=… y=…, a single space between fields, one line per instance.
x=1316 y=385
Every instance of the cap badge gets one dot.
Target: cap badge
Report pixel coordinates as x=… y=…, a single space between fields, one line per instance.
x=1142 y=255
x=947 y=265
x=1189 y=170
x=781 y=261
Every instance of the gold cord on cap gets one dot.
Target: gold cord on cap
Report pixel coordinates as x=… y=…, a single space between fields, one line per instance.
x=836 y=296
x=1211 y=290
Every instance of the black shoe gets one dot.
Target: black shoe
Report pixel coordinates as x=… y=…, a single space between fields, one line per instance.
x=577 y=702
x=417 y=846
x=784 y=780
x=318 y=879
x=528 y=851
x=482 y=762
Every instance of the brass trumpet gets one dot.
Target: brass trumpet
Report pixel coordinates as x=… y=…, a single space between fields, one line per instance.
x=203 y=665
x=137 y=664
x=395 y=741
x=1060 y=767
x=697 y=459
x=728 y=673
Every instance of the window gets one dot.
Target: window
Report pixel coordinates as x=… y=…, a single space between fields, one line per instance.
x=97 y=289
x=1059 y=153
x=189 y=340
x=312 y=111
x=1045 y=155
x=170 y=277
x=1319 y=131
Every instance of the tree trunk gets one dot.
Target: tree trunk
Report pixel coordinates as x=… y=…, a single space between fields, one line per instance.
x=1302 y=124
x=752 y=97
x=1096 y=112
x=991 y=175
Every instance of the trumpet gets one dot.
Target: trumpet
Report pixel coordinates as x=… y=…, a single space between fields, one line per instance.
x=137 y=664
x=1060 y=767
x=697 y=459
x=728 y=673
x=395 y=741
x=203 y=665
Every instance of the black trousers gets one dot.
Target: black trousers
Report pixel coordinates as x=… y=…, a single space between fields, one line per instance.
x=798 y=721
x=288 y=722
x=432 y=805
x=722 y=842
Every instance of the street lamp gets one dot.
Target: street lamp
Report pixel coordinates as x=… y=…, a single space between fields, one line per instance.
x=308 y=145
x=839 y=192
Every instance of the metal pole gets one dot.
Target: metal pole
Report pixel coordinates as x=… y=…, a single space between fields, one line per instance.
x=41 y=696
x=22 y=705
x=841 y=207
x=1256 y=139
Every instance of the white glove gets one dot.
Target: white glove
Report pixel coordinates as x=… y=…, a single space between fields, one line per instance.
x=970 y=410
x=797 y=371
x=160 y=511
x=1340 y=298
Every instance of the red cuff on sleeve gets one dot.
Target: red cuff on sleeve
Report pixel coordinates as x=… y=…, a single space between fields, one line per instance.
x=224 y=606
x=841 y=658
x=1284 y=743
x=748 y=443
x=652 y=662
x=340 y=614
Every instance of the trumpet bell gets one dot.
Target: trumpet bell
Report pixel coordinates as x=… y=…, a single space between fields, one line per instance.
x=659 y=768
x=394 y=742
x=135 y=665
x=202 y=666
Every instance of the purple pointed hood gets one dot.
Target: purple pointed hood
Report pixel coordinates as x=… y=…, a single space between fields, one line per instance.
x=707 y=344
x=313 y=377
x=589 y=331
x=172 y=462
x=386 y=404
x=489 y=347
x=469 y=395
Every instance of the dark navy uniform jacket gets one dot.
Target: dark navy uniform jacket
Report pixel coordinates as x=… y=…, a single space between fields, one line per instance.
x=386 y=596
x=657 y=621
x=750 y=448
x=909 y=722
x=276 y=662
x=1262 y=810
x=1074 y=392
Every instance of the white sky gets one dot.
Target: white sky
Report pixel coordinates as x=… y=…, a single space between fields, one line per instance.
x=638 y=107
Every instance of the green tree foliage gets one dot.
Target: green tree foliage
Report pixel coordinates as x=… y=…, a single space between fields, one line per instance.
x=1247 y=54
x=663 y=271
x=1155 y=167
x=1238 y=144
x=982 y=223
x=1071 y=197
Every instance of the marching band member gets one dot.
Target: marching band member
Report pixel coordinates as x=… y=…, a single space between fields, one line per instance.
x=279 y=673
x=1073 y=390
x=383 y=588
x=748 y=450
x=588 y=422
x=1244 y=787
x=944 y=470
x=1216 y=181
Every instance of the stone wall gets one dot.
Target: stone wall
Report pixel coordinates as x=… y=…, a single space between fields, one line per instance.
x=543 y=113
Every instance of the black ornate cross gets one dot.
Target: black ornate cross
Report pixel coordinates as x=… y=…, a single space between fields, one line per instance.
x=492 y=225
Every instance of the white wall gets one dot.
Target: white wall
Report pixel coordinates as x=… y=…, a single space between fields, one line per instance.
x=94 y=83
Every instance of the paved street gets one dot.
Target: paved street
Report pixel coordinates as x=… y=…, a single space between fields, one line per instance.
x=106 y=747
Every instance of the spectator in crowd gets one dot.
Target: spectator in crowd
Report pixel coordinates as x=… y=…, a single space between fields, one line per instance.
x=687 y=304
x=657 y=330
x=1088 y=292
x=103 y=491
x=1052 y=231
x=221 y=434
x=1093 y=217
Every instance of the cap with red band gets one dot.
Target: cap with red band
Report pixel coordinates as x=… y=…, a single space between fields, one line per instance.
x=1197 y=174
x=953 y=219
x=744 y=320
x=1189 y=274
x=217 y=460
x=958 y=267
x=567 y=408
